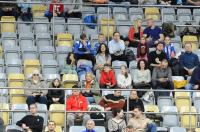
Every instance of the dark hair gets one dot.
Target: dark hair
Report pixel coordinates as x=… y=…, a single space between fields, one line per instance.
x=83 y=36
x=106 y=52
x=145 y=63
x=68 y=61
x=101 y=34
x=115 y=111
x=160 y=42
x=139 y=48
x=107 y=65
x=52 y=122
x=75 y=86
x=126 y=74
x=58 y=85
x=129 y=127
x=115 y=33
x=138 y=107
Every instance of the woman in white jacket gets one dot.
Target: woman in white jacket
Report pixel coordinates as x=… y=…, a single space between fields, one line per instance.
x=124 y=78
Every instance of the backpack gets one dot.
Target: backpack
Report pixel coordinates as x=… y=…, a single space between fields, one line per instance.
x=90 y=21
x=168 y=29
x=96 y=115
x=189 y=30
x=130 y=56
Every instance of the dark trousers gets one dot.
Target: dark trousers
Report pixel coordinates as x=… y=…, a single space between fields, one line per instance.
x=40 y=99
x=9 y=13
x=50 y=15
x=27 y=16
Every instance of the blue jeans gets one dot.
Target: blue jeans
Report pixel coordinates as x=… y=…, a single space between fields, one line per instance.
x=151 y=128
x=90 y=100
x=40 y=99
x=189 y=86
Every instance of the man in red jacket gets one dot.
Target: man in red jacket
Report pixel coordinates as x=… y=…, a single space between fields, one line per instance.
x=56 y=9
x=76 y=102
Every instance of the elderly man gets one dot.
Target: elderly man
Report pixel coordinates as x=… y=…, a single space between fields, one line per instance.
x=34 y=95
x=90 y=126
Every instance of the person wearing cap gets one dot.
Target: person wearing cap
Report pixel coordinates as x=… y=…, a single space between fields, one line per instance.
x=155 y=57
x=32 y=89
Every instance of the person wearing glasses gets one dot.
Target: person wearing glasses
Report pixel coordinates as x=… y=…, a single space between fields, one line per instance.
x=34 y=95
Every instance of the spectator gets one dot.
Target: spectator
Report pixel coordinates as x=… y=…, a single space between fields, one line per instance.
x=70 y=65
x=134 y=101
x=82 y=49
x=8 y=9
x=140 y=123
x=112 y=101
x=76 y=102
x=142 y=50
x=90 y=83
x=1 y=124
x=124 y=78
x=169 y=48
x=165 y=2
x=107 y=79
x=51 y=126
x=33 y=94
x=90 y=124
x=55 y=96
x=152 y=33
x=116 y=47
x=142 y=77
x=56 y=9
x=194 y=83
x=162 y=78
x=25 y=10
x=155 y=57
x=33 y=122
x=101 y=40
x=188 y=60
x=135 y=33
x=73 y=10
x=102 y=57
x=192 y=2
x=117 y=123
x=129 y=128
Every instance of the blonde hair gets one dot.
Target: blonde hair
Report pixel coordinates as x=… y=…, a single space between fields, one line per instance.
x=135 y=24
x=89 y=74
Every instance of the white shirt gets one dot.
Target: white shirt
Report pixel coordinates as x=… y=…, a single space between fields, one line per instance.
x=141 y=76
x=124 y=82
x=115 y=47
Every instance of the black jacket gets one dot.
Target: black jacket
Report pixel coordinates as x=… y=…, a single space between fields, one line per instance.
x=133 y=103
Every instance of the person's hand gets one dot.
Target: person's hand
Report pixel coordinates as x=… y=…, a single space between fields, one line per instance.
x=55 y=99
x=34 y=94
x=196 y=87
x=24 y=126
x=54 y=14
x=108 y=109
x=80 y=114
x=161 y=79
x=172 y=55
x=190 y=71
x=157 y=60
x=108 y=84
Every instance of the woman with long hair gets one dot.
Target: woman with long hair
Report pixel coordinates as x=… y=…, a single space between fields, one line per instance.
x=142 y=50
x=124 y=78
x=70 y=64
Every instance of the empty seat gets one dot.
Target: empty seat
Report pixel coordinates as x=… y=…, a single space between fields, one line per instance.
x=30 y=65
x=77 y=128
x=4 y=115
x=89 y=31
x=182 y=99
x=69 y=80
x=9 y=39
x=74 y=25
x=164 y=101
x=62 y=52
x=8 y=24
x=57 y=110
x=42 y=111
x=49 y=67
x=11 y=52
x=1 y=66
x=184 y=18
x=64 y=39
x=183 y=12
x=118 y=64
x=196 y=100
x=58 y=26
x=123 y=27
x=26 y=39
x=196 y=12
x=152 y=12
x=169 y=18
x=3 y=83
x=100 y=129
x=134 y=10
x=46 y=53
x=24 y=27
x=107 y=27
x=13 y=127
x=13 y=66
x=41 y=25
x=151 y=108
x=50 y=77
x=120 y=13
x=177 y=129
x=87 y=10
x=30 y=52
x=43 y=39
x=18 y=115
x=170 y=11
x=38 y=10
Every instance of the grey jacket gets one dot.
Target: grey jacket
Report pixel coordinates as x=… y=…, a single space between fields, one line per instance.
x=162 y=73
x=30 y=84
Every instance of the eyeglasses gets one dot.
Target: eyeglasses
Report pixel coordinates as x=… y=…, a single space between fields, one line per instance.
x=35 y=74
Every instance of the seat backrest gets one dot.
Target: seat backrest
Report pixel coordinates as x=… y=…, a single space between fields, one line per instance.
x=177 y=129
x=77 y=128
x=107 y=30
x=9 y=26
x=100 y=129
x=57 y=110
x=164 y=101
x=118 y=64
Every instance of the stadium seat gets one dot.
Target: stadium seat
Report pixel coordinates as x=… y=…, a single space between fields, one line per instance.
x=18 y=115
x=164 y=101
x=120 y=13
x=74 y=25
x=168 y=11
x=64 y=39
x=43 y=39
x=100 y=129
x=87 y=10
x=24 y=27
x=9 y=39
x=31 y=65
x=30 y=52
x=191 y=39
x=118 y=64
x=50 y=77
x=57 y=129
x=170 y=117
x=46 y=53
x=69 y=80
x=152 y=12
x=42 y=111
x=11 y=52
x=62 y=52
x=151 y=108
x=179 y=82
x=196 y=12
x=8 y=24
x=26 y=39
x=197 y=129
x=49 y=66
x=77 y=128
x=182 y=99
x=13 y=65
x=104 y=13
x=187 y=120
x=41 y=25
x=4 y=115
x=177 y=129
x=38 y=10
x=2 y=66
x=89 y=31
x=169 y=18
x=107 y=27
x=124 y=30
x=57 y=110
x=184 y=18
x=184 y=11
x=135 y=13
x=3 y=92
x=196 y=100
x=58 y=25
x=13 y=127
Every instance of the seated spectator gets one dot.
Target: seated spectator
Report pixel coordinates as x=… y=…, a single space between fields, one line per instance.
x=36 y=95
x=152 y=33
x=124 y=78
x=82 y=49
x=169 y=48
x=155 y=57
x=188 y=60
x=90 y=124
x=76 y=102
x=25 y=10
x=51 y=126
x=117 y=123
x=32 y=122
x=193 y=2
x=107 y=79
x=162 y=79
x=101 y=40
x=142 y=77
x=9 y=9
x=135 y=33
x=129 y=128
x=194 y=83
x=140 y=123
x=142 y=49
x=134 y=101
x=116 y=47
x=88 y=85
x=55 y=96
x=56 y=9
x=73 y=10
x=1 y=124
x=70 y=65
x=165 y=2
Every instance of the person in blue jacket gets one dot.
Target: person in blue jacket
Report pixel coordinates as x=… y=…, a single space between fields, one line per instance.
x=83 y=49
x=90 y=126
x=194 y=83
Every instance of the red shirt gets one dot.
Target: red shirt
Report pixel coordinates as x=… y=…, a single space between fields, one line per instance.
x=131 y=33
x=78 y=103
x=107 y=77
x=58 y=8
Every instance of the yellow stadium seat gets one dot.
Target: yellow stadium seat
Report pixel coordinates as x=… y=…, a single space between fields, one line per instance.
x=151 y=108
x=57 y=129
x=152 y=12
x=191 y=39
x=9 y=25
x=38 y=10
x=108 y=27
x=1 y=52
x=197 y=130
x=57 y=110
x=31 y=65
x=182 y=99
x=64 y=39
x=4 y=115
x=69 y=80
x=188 y=121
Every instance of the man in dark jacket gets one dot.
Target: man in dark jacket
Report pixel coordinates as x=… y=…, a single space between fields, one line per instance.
x=32 y=122
x=194 y=83
x=9 y=9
